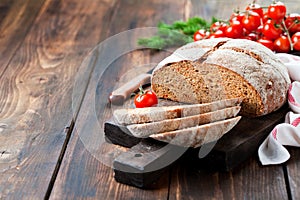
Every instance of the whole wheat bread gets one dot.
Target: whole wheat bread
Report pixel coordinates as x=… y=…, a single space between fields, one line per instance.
x=198 y=135
x=146 y=129
x=229 y=68
x=127 y=116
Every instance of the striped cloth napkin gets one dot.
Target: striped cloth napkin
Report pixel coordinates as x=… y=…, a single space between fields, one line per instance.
x=272 y=150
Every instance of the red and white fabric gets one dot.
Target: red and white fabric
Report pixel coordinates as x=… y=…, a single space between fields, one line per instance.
x=273 y=150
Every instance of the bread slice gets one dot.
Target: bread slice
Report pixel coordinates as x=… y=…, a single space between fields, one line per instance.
x=146 y=129
x=202 y=83
x=198 y=135
x=153 y=114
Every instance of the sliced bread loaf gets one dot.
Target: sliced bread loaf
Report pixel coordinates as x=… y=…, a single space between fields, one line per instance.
x=230 y=68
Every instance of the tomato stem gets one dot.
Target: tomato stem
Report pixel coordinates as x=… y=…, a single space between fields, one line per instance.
x=141 y=90
x=288 y=34
x=296 y=21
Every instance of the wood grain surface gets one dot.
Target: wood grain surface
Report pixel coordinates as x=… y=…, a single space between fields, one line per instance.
x=111 y=189
x=16 y=19
x=248 y=181
x=45 y=90
x=36 y=113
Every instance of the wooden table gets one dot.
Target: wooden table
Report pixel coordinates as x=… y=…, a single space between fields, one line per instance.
x=45 y=90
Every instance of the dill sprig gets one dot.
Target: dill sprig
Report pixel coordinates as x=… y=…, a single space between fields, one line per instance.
x=176 y=34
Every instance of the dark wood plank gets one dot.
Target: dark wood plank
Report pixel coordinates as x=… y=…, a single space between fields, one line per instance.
x=145 y=163
x=248 y=181
x=89 y=178
x=146 y=13
x=36 y=93
x=16 y=19
x=292 y=170
x=5 y=6
x=119 y=135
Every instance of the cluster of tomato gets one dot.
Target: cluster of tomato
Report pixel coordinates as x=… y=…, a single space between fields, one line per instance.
x=270 y=26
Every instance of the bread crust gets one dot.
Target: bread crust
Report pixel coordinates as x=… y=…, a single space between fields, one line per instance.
x=127 y=116
x=198 y=135
x=264 y=74
x=145 y=129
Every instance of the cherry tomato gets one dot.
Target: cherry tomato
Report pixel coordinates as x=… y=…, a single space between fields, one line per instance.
x=253 y=36
x=246 y=32
x=277 y=10
x=246 y=37
x=234 y=30
x=256 y=8
x=296 y=41
x=267 y=43
x=217 y=34
x=259 y=30
x=145 y=99
x=251 y=21
x=292 y=22
x=236 y=17
x=211 y=36
x=201 y=34
x=218 y=26
x=282 y=45
x=265 y=17
x=272 y=30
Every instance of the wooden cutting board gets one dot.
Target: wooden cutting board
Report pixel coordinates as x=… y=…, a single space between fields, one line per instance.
x=134 y=167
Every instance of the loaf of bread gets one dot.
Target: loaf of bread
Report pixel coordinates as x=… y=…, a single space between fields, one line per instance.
x=216 y=69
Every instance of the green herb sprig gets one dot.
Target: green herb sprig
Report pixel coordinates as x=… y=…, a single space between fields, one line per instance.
x=176 y=34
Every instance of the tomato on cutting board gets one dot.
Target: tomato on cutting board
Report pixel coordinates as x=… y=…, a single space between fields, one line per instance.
x=145 y=98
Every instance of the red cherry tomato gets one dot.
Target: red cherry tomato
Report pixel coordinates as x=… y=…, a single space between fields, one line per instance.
x=251 y=21
x=259 y=30
x=211 y=36
x=253 y=36
x=296 y=41
x=292 y=22
x=277 y=10
x=234 y=30
x=217 y=34
x=145 y=99
x=246 y=32
x=267 y=43
x=246 y=37
x=272 y=30
x=201 y=34
x=282 y=45
x=256 y=8
x=236 y=17
x=218 y=26
x=265 y=17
